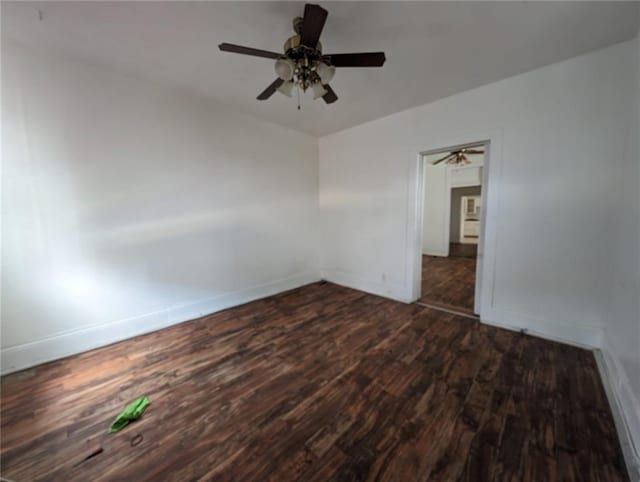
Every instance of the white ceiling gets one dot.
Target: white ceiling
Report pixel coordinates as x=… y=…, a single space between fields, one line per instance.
x=433 y=49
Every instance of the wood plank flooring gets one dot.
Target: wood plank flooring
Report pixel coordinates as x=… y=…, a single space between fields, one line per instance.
x=449 y=282
x=465 y=250
x=321 y=383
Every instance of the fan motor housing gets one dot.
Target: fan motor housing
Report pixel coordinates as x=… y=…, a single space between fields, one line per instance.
x=292 y=45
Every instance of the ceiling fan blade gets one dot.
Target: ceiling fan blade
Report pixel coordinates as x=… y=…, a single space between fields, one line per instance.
x=312 y=24
x=239 y=49
x=473 y=151
x=367 y=59
x=269 y=91
x=443 y=158
x=330 y=97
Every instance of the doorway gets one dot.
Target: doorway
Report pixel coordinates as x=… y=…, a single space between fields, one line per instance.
x=452 y=227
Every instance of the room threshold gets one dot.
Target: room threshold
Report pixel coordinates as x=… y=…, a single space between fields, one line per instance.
x=451 y=310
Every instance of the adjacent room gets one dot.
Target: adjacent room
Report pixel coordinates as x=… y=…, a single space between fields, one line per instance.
x=451 y=228
x=250 y=241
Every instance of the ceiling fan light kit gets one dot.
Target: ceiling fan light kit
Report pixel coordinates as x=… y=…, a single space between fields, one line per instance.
x=287 y=88
x=325 y=72
x=318 y=90
x=303 y=64
x=285 y=69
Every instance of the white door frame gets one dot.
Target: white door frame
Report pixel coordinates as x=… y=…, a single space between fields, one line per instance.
x=485 y=264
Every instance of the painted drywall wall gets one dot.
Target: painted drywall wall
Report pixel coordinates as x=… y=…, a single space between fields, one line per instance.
x=456 y=203
x=435 y=241
x=128 y=206
x=559 y=133
x=621 y=348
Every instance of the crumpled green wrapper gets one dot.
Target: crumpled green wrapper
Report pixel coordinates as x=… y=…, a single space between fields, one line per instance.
x=132 y=412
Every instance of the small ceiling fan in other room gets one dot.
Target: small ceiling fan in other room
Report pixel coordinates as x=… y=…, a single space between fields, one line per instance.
x=458 y=157
x=303 y=65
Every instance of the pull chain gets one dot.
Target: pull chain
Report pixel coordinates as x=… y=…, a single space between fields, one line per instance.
x=298 y=90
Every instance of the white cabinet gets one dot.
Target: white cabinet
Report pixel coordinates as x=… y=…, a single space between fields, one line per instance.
x=471 y=229
x=470 y=219
x=471 y=207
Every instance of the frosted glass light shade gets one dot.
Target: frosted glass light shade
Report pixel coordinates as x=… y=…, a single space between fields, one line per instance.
x=318 y=90
x=285 y=69
x=325 y=72
x=286 y=88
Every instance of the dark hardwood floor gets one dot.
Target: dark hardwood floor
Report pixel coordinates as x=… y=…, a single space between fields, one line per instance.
x=450 y=282
x=320 y=383
x=463 y=250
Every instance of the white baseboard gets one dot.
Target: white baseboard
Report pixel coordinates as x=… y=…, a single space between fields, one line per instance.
x=583 y=336
x=77 y=341
x=625 y=408
x=386 y=290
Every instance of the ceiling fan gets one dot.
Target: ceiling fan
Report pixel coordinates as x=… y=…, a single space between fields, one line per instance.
x=303 y=64
x=458 y=157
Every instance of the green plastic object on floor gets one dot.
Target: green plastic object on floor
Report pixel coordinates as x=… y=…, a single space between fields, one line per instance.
x=132 y=412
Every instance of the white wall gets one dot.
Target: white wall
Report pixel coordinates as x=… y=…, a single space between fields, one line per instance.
x=437 y=209
x=562 y=132
x=622 y=334
x=128 y=206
